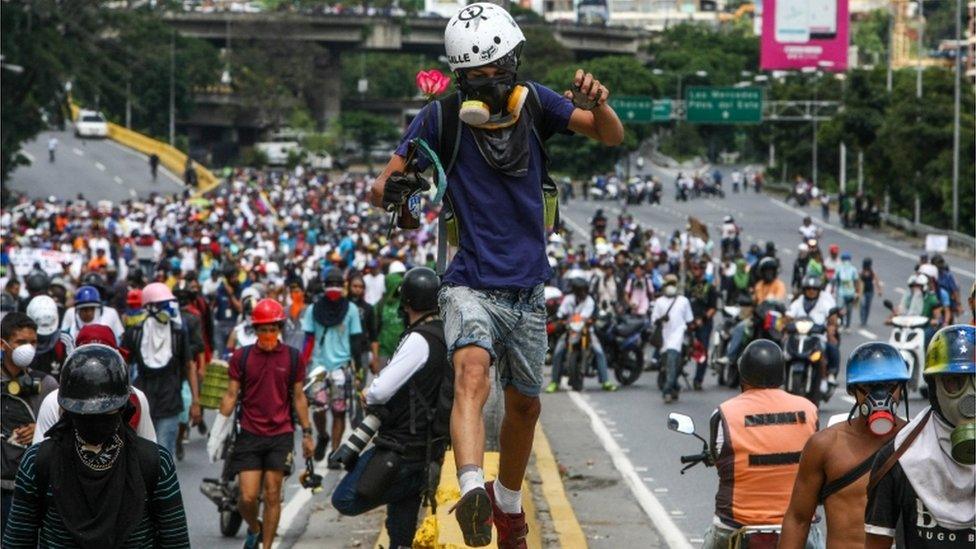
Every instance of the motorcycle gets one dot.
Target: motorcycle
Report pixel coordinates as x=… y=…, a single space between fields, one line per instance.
x=553 y=297
x=655 y=194
x=224 y=491
x=908 y=336
x=579 y=360
x=803 y=353
x=623 y=339
x=764 y=536
x=718 y=345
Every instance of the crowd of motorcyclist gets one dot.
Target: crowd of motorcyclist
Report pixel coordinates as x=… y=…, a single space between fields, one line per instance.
x=626 y=279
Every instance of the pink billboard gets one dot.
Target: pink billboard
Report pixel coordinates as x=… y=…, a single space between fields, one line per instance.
x=804 y=33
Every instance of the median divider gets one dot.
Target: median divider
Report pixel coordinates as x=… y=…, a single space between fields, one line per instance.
x=170 y=157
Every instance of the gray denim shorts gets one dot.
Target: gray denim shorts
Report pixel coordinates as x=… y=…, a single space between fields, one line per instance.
x=509 y=324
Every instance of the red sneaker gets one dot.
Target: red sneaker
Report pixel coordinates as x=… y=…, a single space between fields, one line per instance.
x=511 y=527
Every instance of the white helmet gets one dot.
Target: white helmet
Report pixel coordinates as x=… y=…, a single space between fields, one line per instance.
x=480 y=34
x=397 y=267
x=918 y=280
x=929 y=270
x=44 y=311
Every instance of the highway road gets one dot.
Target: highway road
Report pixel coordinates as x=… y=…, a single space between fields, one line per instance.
x=631 y=422
x=101 y=169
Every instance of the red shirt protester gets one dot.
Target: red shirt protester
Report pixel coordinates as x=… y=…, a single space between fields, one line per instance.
x=266 y=407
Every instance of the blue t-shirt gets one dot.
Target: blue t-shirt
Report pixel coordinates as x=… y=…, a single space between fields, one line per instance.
x=502 y=234
x=333 y=346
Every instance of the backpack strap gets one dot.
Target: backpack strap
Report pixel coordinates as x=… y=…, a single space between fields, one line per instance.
x=876 y=476
x=292 y=379
x=847 y=478
x=239 y=408
x=448 y=129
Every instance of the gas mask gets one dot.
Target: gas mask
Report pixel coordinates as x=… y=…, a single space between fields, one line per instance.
x=879 y=409
x=164 y=312
x=24 y=384
x=491 y=102
x=956 y=397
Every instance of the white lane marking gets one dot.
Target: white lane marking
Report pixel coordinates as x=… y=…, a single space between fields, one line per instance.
x=647 y=479
x=649 y=503
x=865 y=239
x=640 y=469
x=132 y=193
x=138 y=154
x=28 y=156
x=697 y=540
x=117 y=179
x=78 y=151
x=299 y=500
x=866 y=333
x=677 y=513
x=100 y=166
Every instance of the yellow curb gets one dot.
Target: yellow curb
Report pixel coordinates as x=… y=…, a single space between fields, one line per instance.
x=568 y=529
x=444 y=527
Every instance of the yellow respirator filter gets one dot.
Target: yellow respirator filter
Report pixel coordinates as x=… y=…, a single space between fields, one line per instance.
x=476 y=113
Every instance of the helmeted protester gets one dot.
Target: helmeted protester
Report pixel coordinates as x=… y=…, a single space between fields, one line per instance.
x=94 y=482
x=925 y=477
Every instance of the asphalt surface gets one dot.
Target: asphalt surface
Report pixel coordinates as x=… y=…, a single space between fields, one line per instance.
x=101 y=169
x=635 y=416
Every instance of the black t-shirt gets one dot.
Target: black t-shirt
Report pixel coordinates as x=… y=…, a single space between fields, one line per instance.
x=702 y=296
x=894 y=499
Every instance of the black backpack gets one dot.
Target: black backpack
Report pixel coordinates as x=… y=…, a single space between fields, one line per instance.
x=449 y=139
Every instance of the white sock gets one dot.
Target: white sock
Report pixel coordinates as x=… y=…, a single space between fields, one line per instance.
x=509 y=501
x=471 y=477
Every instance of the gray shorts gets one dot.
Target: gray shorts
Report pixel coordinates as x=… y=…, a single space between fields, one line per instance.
x=509 y=324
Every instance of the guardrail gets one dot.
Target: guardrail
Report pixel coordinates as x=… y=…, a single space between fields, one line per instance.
x=956 y=239
x=170 y=157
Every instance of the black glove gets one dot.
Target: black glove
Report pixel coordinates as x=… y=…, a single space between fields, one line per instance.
x=398 y=186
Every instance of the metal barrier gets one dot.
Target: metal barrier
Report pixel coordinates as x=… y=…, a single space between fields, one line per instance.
x=170 y=157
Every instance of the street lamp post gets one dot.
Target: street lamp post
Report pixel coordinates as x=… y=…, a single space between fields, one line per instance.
x=955 y=125
x=172 y=89
x=921 y=46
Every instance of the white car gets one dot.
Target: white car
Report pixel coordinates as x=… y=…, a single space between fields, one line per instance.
x=91 y=124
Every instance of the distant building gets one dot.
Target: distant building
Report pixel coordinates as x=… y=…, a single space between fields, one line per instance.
x=648 y=14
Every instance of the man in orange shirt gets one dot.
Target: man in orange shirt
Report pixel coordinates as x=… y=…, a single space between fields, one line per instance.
x=768 y=285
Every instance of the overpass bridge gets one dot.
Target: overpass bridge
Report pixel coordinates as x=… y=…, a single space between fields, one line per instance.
x=336 y=34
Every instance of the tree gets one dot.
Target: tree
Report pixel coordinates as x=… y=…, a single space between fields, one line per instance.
x=96 y=50
x=390 y=75
x=367 y=130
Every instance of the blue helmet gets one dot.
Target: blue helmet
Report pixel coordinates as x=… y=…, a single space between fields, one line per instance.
x=876 y=362
x=87 y=295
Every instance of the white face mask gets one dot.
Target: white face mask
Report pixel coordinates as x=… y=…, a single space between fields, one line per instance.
x=670 y=290
x=23 y=355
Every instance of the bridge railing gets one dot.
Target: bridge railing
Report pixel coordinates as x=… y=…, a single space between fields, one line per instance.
x=170 y=157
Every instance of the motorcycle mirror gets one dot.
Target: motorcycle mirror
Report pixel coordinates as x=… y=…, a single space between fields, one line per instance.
x=681 y=423
x=888 y=304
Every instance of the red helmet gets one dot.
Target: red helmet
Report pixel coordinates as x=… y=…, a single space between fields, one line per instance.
x=134 y=298
x=834 y=248
x=267 y=311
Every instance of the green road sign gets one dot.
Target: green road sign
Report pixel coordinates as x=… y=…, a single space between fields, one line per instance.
x=705 y=105
x=638 y=109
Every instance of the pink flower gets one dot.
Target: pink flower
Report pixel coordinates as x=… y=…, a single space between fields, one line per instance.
x=432 y=83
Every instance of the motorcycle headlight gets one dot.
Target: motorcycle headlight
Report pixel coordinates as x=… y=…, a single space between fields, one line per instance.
x=815 y=356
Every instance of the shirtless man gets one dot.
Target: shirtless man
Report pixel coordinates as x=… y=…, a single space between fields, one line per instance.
x=836 y=461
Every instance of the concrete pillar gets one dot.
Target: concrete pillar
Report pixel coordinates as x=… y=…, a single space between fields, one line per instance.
x=327 y=99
